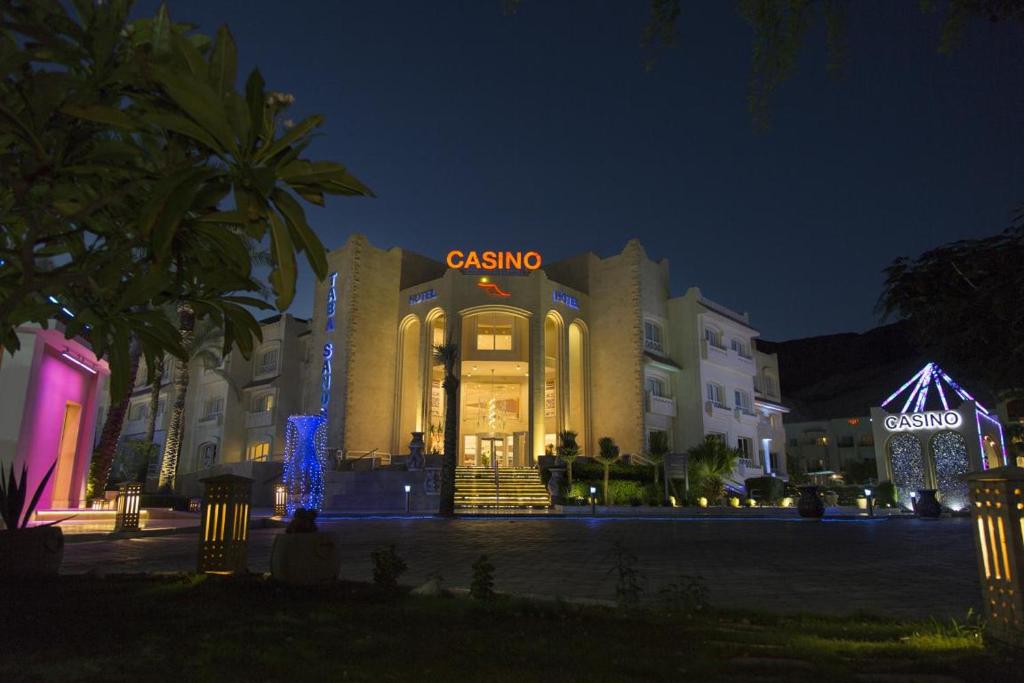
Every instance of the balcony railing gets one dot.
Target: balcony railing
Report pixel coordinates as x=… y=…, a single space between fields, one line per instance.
x=654 y=345
x=661 y=405
x=259 y=419
x=268 y=369
x=212 y=418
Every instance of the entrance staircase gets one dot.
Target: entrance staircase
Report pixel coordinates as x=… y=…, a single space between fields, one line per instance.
x=517 y=488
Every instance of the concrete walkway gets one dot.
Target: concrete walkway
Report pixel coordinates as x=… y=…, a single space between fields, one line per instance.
x=904 y=568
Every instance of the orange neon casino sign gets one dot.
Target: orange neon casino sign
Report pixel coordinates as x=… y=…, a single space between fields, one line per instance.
x=494 y=260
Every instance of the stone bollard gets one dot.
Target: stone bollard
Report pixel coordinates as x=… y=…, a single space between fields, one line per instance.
x=997 y=518
x=129 y=501
x=280 y=500
x=224 y=524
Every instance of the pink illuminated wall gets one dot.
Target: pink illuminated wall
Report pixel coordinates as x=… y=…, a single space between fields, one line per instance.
x=53 y=382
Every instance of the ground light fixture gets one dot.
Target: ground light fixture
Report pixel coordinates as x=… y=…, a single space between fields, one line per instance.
x=129 y=500
x=224 y=524
x=593 y=500
x=408 y=490
x=871 y=502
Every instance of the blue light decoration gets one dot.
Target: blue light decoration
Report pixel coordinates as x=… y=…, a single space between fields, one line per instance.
x=420 y=297
x=569 y=300
x=325 y=371
x=305 y=461
x=907 y=460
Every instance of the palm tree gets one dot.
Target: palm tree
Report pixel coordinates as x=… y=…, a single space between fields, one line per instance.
x=202 y=343
x=568 y=450
x=657 y=449
x=710 y=463
x=447 y=354
x=608 y=454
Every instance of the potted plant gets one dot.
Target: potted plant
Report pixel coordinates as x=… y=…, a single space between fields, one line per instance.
x=302 y=555
x=27 y=551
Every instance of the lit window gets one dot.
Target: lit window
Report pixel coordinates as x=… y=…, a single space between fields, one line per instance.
x=494 y=333
x=652 y=336
x=259 y=451
x=263 y=403
x=716 y=395
x=267 y=362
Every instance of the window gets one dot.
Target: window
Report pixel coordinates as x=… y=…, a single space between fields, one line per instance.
x=713 y=337
x=773 y=420
x=653 y=337
x=821 y=441
x=263 y=403
x=846 y=441
x=138 y=411
x=745 y=446
x=160 y=407
x=743 y=401
x=867 y=440
x=716 y=395
x=267 y=362
x=207 y=455
x=259 y=451
x=716 y=436
x=212 y=407
x=740 y=348
x=494 y=333
x=655 y=386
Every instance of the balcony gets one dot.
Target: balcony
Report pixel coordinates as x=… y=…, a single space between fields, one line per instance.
x=765 y=387
x=211 y=420
x=259 y=419
x=133 y=427
x=661 y=405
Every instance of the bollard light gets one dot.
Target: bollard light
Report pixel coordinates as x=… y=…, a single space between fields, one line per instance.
x=129 y=499
x=224 y=525
x=193 y=504
x=593 y=500
x=997 y=516
x=280 y=500
x=408 y=490
x=871 y=502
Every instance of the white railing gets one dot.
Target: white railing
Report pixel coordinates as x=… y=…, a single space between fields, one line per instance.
x=653 y=345
x=259 y=419
x=661 y=405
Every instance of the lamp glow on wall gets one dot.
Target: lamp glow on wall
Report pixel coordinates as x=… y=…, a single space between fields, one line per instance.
x=305 y=461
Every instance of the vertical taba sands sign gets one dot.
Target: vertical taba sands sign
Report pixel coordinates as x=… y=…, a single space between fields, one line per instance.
x=325 y=372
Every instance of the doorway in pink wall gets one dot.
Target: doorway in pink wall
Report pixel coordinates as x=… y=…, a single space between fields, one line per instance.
x=66 y=455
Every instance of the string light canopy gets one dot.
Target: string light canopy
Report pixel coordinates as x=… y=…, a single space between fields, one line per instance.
x=916 y=391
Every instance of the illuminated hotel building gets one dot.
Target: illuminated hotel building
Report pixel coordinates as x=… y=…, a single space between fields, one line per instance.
x=589 y=344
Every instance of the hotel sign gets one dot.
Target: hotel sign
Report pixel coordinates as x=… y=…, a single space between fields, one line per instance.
x=420 y=297
x=912 y=422
x=325 y=371
x=493 y=260
x=567 y=299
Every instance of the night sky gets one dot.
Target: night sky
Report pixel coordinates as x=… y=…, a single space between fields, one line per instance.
x=543 y=131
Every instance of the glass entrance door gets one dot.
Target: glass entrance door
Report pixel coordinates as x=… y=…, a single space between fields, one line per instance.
x=493 y=451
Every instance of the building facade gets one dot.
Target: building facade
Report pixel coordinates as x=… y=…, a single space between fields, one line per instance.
x=836 y=445
x=593 y=345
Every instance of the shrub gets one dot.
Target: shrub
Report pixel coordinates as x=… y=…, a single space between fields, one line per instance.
x=591 y=470
x=387 y=567
x=482 y=586
x=765 y=489
x=885 y=494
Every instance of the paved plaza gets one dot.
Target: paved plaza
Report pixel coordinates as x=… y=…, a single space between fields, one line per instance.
x=903 y=568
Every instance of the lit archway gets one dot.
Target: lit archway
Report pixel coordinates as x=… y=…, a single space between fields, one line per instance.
x=906 y=460
x=578 y=403
x=554 y=418
x=408 y=416
x=949 y=453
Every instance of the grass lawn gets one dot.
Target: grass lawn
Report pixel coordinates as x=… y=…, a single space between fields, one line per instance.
x=190 y=628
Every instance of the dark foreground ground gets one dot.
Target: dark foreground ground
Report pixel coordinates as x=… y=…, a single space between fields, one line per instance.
x=185 y=628
x=909 y=569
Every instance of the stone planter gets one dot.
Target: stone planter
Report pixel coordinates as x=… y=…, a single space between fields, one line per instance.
x=810 y=504
x=36 y=551
x=927 y=506
x=830 y=498
x=305 y=559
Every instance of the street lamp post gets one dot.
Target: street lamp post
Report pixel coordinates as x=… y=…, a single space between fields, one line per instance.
x=408 y=490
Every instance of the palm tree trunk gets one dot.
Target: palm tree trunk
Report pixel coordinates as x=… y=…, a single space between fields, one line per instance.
x=154 y=405
x=176 y=426
x=446 y=507
x=605 y=492
x=569 y=468
x=103 y=458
